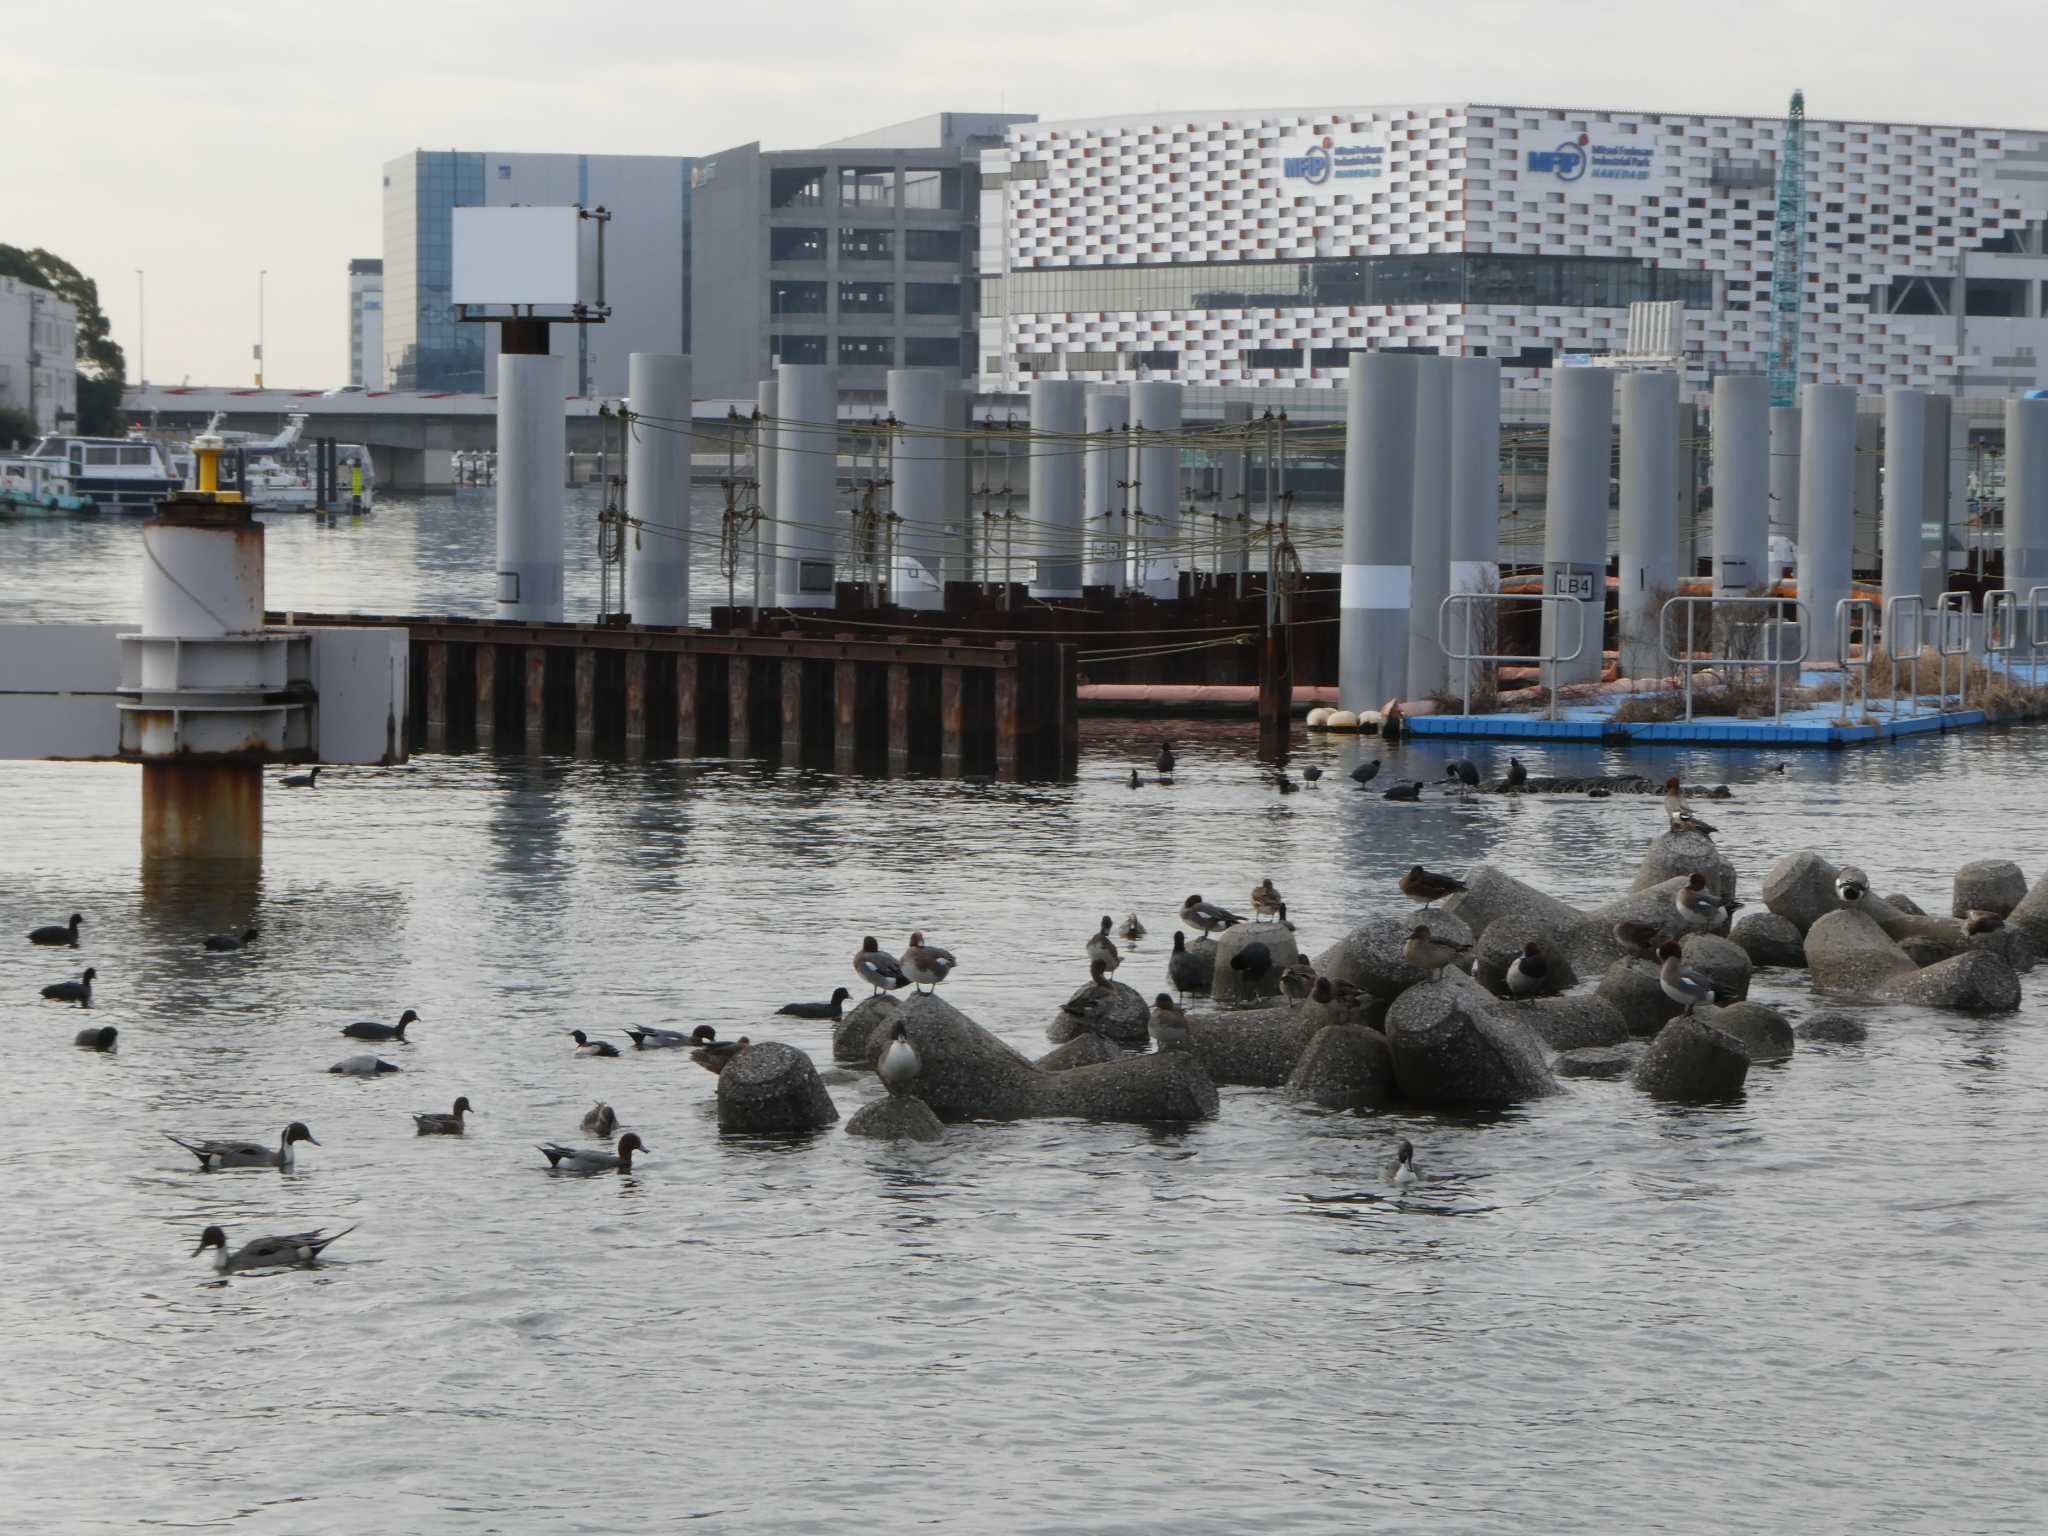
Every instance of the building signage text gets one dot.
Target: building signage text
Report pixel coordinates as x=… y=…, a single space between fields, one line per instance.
x=1575 y=159
x=1321 y=163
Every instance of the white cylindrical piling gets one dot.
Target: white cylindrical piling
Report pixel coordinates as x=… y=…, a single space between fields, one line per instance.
x=1429 y=529
x=1785 y=435
x=533 y=442
x=1905 y=497
x=1107 y=461
x=1155 y=502
x=1379 y=493
x=658 y=488
x=1058 y=414
x=917 y=399
x=1648 y=567
x=1233 y=507
x=956 y=495
x=1827 y=509
x=1475 y=502
x=806 y=476
x=1947 y=491
x=1575 y=516
x=1742 y=483
x=766 y=396
x=2026 y=500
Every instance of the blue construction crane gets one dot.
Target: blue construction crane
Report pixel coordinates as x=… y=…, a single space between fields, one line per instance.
x=1788 y=256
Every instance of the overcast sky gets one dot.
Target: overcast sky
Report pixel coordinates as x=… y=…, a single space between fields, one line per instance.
x=206 y=140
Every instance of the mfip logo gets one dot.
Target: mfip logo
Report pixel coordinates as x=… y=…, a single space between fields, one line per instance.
x=1567 y=162
x=1313 y=167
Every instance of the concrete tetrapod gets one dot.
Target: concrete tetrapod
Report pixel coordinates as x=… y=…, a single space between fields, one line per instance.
x=772 y=1089
x=1591 y=942
x=850 y=1035
x=1800 y=887
x=2031 y=915
x=1116 y=1011
x=1230 y=987
x=1724 y=963
x=1764 y=1032
x=1346 y=1066
x=1253 y=1047
x=1988 y=885
x=1082 y=1051
x=1769 y=939
x=1692 y=1061
x=1847 y=952
x=1977 y=982
x=1680 y=855
x=966 y=1073
x=1571 y=1023
x=1370 y=955
x=1454 y=1047
x=1501 y=945
x=1597 y=1061
x=1833 y=1029
x=896 y=1117
x=1632 y=989
x=1489 y=896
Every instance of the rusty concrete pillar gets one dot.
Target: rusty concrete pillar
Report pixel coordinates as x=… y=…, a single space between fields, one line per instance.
x=792 y=710
x=1006 y=723
x=899 y=716
x=738 y=684
x=686 y=704
x=536 y=696
x=202 y=810
x=486 y=696
x=952 y=720
x=636 y=703
x=586 y=701
x=437 y=696
x=845 y=714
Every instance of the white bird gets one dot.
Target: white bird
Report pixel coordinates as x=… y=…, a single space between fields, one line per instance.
x=1401 y=1171
x=898 y=1067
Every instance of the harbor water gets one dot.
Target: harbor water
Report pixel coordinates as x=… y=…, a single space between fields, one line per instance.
x=1817 y=1306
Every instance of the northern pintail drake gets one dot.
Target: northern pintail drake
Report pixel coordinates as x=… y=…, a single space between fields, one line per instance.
x=449 y=1124
x=1639 y=939
x=1297 y=981
x=248 y=1154
x=299 y=1250
x=1365 y=773
x=1701 y=905
x=831 y=1010
x=1164 y=762
x=1427 y=887
x=1186 y=971
x=1401 y=1170
x=1169 y=1026
x=1528 y=972
x=648 y=1038
x=79 y=991
x=600 y=1119
x=1403 y=789
x=101 y=1039
x=1253 y=962
x=899 y=1064
x=367 y=1030
x=1132 y=930
x=310 y=779
x=55 y=934
x=1205 y=917
x=1851 y=884
x=1518 y=776
x=1101 y=948
x=717 y=1055
x=926 y=964
x=364 y=1066
x=585 y=1046
x=1679 y=984
x=1265 y=898
x=563 y=1159
x=878 y=968
x=220 y=943
x=1425 y=952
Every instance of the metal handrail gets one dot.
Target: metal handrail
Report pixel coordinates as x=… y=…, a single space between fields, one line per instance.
x=1546 y=660
x=1850 y=611
x=1777 y=661
x=1893 y=606
x=2037 y=627
x=2001 y=627
x=1953 y=606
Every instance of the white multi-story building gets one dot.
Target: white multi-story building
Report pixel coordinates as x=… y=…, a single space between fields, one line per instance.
x=1257 y=249
x=38 y=354
x=366 y=322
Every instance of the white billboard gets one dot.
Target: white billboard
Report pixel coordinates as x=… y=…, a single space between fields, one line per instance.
x=520 y=256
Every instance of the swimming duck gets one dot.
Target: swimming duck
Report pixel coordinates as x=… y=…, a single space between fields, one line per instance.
x=55 y=934
x=310 y=779
x=648 y=1038
x=1679 y=984
x=1851 y=884
x=877 y=969
x=1284 y=784
x=563 y=1159
x=370 y=1031
x=1297 y=981
x=1699 y=904
x=1639 y=939
x=1253 y=961
x=1164 y=762
x=299 y=1250
x=364 y=1066
x=1365 y=773
x=1136 y=782
x=1401 y=1171
x=1207 y=918
x=1169 y=1026
x=717 y=1055
x=79 y=991
x=1528 y=972
x=1185 y=970
x=899 y=1063
x=1132 y=930
x=101 y=1039
x=1599 y=792
x=829 y=1010
x=1427 y=887
x=1424 y=952
x=1518 y=776
x=1311 y=773
x=1403 y=789
x=222 y=942
x=926 y=964
x=1101 y=948
x=1265 y=898
x=599 y=1119
x=449 y=1124
x=248 y=1154
x=585 y=1046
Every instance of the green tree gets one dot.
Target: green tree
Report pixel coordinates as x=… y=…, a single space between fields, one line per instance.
x=16 y=427
x=102 y=367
